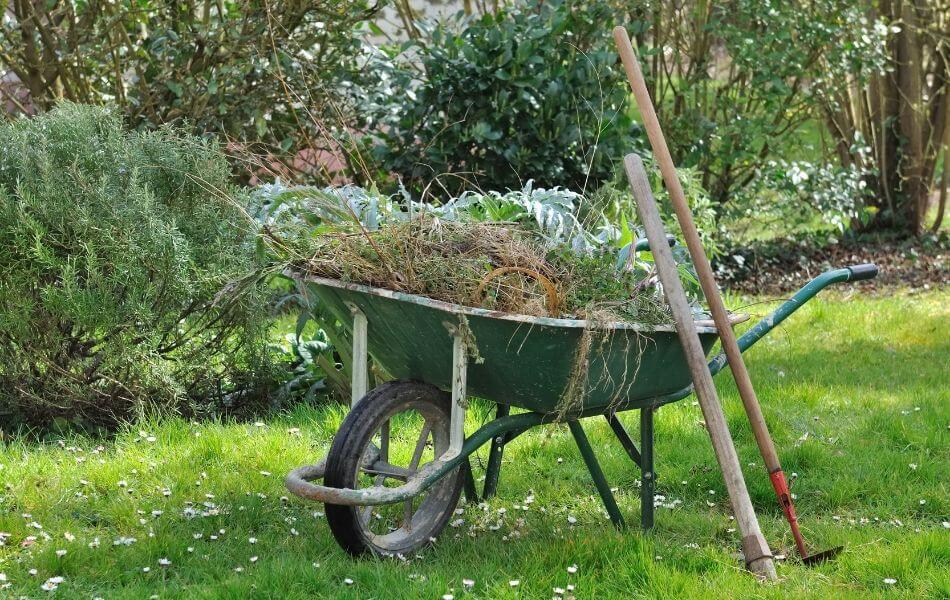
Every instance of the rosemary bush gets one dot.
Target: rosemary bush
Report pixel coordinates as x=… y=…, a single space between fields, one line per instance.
x=127 y=268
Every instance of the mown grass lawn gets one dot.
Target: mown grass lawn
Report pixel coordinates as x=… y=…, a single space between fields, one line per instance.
x=855 y=390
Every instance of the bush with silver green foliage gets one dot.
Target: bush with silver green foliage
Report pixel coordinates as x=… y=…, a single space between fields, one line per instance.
x=126 y=286
x=552 y=213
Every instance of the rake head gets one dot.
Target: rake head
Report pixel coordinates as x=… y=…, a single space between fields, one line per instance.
x=821 y=557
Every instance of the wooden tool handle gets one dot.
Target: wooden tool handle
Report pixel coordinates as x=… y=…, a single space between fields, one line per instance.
x=703 y=269
x=755 y=548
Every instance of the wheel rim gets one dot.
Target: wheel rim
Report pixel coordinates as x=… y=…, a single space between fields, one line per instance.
x=408 y=438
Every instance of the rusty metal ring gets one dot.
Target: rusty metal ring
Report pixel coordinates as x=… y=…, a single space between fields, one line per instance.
x=554 y=301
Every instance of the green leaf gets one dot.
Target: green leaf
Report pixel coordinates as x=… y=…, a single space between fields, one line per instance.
x=302 y=321
x=626 y=235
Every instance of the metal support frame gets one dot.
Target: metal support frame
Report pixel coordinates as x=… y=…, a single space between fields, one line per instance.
x=360 y=380
x=596 y=473
x=459 y=396
x=495 y=452
x=647 y=475
x=624 y=438
x=359 y=384
x=643 y=458
x=468 y=482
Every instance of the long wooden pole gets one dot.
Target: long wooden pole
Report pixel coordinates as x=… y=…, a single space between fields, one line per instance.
x=707 y=281
x=754 y=547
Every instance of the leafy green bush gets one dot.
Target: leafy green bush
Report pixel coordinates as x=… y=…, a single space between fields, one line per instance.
x=128 y=274
x=805 y=194
x=526 y=93
x=616 y=203
x=736 y=80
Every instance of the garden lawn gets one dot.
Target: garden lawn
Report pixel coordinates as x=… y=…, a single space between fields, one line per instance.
x=855 y=390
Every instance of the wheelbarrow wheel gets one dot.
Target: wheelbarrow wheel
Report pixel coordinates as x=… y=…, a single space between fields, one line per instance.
x=395 y=430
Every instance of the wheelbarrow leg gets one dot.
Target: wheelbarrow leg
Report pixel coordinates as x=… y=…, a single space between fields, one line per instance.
x=648 y=477
x=596 y=473
x=493 y=470
x=468 y=480
x=360 y=379
x=624 y=438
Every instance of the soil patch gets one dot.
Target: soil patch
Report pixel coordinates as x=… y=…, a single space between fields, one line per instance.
x=786 y=265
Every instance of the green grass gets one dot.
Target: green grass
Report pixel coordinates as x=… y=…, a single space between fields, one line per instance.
x=855 y=390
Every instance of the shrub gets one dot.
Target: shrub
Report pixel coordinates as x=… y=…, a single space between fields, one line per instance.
x=816 y=195
x=614 y=200
x=127 y=268
x=265 y=75
x=525 y=93
x=740 y=87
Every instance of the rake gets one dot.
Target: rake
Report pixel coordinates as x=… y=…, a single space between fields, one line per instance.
x=711 y=291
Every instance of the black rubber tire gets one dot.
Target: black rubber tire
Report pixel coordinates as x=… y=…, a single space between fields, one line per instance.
x=355 y=433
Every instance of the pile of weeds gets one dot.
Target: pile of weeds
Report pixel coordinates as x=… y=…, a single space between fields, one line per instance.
x=495 y=265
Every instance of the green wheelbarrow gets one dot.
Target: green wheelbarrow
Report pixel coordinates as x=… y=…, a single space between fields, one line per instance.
x=399 y=461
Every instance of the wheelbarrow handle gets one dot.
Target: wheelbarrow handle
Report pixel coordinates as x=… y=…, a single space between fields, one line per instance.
x=644 y=244
x=863 y=272
x=785 y=310
x=641 y=245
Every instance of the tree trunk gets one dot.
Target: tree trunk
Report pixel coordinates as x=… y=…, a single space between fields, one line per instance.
x=944 y=182
x=900 y=114
x=909 y=74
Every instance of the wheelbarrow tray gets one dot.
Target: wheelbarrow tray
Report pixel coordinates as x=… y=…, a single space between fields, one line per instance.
x=523 y=361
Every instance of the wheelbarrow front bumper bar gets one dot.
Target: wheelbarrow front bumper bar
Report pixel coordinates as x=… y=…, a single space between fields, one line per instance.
x=299 y=481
